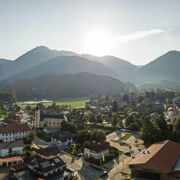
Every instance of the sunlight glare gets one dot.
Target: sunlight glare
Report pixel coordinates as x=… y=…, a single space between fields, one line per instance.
x=98 y=43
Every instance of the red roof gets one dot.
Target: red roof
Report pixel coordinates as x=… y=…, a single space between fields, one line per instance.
x=162 y=155
x=10 y=159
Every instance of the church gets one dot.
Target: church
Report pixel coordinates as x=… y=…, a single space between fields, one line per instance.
x=49 y=123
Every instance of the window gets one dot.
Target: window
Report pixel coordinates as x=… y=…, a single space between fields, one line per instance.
x=54 y=122
x=49 y=122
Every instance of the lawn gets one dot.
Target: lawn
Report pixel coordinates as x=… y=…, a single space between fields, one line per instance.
x=74 y=102
x=124 y=138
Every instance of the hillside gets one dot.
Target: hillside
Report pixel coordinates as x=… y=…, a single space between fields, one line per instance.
x=30 y=59
x=165 y=67
x=123 y=68
x=67 y=85
x=65 y=64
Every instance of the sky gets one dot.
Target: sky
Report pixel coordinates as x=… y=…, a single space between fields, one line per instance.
x=138 y=31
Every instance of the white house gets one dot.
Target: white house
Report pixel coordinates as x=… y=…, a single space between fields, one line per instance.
x=14 y=132
x=61 y=139
x=96 y=149
x=11 y=148
x=42 y=167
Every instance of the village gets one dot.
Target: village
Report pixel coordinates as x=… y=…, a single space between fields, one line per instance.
x=105 y=139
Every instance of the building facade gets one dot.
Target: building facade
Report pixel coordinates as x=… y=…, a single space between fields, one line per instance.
x=47 y=122
x=96 y=150
x=11 y=148
x=14 y=132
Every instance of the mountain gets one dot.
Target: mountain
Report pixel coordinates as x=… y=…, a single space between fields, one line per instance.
x=2 y=61
x=123 y=68
x=63 y=64
x=67 y=85
x=165 y=67
x=30 y=59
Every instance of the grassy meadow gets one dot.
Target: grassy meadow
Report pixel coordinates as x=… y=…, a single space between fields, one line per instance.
x=74 y=102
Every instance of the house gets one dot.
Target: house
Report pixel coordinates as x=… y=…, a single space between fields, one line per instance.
x=42 y=167
x=11 y=148
x=101 y=109
x=154 y=115
x=135 y=114
x=10 y=161
x=175 y=98
x=96 y=149
x=171 y=109
x=16 y=117
x=157 y=101
x=13 y=132
x=87 y=113
x=161 y=161
x=49 y=151
x=62 y=139
x=49 y=123
x=10 y=121
x=141 y=107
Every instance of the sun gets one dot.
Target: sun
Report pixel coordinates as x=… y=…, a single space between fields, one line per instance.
x=98 y=43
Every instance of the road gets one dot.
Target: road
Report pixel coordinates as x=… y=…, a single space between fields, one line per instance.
x=26 y=116
x=114 y=167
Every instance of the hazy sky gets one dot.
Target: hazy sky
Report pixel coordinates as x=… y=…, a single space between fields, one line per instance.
x=135 y=30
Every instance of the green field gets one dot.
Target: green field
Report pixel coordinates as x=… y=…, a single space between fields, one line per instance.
x=74 y=102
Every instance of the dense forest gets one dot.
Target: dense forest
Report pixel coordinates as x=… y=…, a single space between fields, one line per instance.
x=67 y=85
x=8 y=97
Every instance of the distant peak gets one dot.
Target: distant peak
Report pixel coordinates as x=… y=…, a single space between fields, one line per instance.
x=173 y=51
x=41 y=47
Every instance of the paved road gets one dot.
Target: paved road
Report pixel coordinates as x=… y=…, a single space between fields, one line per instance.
x=26 y=116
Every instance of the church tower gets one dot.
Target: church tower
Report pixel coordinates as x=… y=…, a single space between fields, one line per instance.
x=37 y=117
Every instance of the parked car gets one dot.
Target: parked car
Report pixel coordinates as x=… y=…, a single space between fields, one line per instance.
x=79 y=155
x=127 y=153
x=104 y=174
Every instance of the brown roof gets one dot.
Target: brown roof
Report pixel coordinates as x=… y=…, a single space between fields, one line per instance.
x=162 y=155
x=11 y=128
x=19 y=166
x=16 y=115
x=54 y=150
x=53 y=164
x=63 y=136
x=36 y=158
x=10 y=159
x=98 y=146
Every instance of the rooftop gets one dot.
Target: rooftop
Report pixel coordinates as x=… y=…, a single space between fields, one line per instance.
x=162 y=155
x=12 y=128
x=98 y=146
x=13 y=144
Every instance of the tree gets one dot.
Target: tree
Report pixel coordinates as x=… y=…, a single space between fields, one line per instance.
x=114 y=119
x=125 y=97
x=134 y=127
x=99 y=119
x=140 y=98
x=92 y=118
x=54 y=107
x=31 y=136
x=161 y=123
x=114 y=106
x=74 y=152
x=83 y=136
x=129 y=120
x=133 y=103
x=27 y=108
